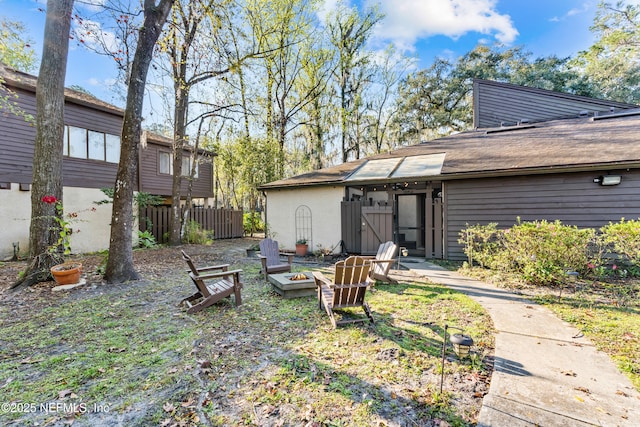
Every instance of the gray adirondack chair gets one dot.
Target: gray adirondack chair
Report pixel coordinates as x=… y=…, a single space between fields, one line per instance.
x=270 y=258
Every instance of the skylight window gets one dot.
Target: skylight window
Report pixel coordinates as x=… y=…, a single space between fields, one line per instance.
x=403 y=167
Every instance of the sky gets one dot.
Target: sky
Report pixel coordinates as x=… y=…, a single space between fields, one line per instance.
x=424 y=29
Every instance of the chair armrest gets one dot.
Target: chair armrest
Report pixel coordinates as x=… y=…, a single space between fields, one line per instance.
x=289 y=256
x=321 y=280
x=213 y=267
x=217 y=275
x=381 y=261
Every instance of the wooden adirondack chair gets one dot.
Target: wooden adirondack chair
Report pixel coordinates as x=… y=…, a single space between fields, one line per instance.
x=381 y=264
x=213 y=283
x=348 y=289
x=270 y=258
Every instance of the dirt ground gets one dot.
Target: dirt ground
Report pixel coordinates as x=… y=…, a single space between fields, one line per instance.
x=212 y=394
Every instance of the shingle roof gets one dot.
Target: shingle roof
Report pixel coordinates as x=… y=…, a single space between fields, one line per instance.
x=21 y=80
x=573 y=144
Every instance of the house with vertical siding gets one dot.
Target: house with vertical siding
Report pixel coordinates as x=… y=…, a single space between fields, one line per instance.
x=533 y=154
x=90 y=162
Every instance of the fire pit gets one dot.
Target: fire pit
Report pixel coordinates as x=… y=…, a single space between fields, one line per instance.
x=293 y=285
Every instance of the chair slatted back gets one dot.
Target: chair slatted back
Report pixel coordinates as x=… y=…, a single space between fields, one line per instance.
x=352 y=271
x=269 y=249
x=387 y=250
x=190 y=263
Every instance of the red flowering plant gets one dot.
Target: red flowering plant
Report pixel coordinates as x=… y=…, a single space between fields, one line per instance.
x=63 y=225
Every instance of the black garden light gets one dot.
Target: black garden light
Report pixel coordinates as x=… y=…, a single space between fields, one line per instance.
x=461 y=345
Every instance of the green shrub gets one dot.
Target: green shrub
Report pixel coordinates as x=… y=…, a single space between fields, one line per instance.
x=194 y=233
x=623 y=239
x=481 y=243
x=252 y=222
x=540 y=252
x=543 y=252
x=146 y=239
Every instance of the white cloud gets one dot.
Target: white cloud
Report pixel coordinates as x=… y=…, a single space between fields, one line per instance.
x=328 y=6
x=408 y=20
x=584 y=8
x=92 y=34
x=101 y=83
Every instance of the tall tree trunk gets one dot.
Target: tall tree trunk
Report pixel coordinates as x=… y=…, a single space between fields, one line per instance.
x=180 y=116
x=47 y=154
x=120 y=266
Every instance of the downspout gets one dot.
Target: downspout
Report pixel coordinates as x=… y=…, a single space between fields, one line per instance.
x=266 y=222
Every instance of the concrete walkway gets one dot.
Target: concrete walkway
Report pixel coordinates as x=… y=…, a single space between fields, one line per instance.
x=546 y=372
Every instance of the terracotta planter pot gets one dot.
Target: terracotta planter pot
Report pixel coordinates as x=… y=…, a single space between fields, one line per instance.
x=67 y=273
x=301 y=249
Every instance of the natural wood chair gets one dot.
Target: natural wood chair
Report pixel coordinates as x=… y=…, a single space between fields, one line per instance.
x=213 y=283
x=270 y=258
x=382 y=262
x=348 y=289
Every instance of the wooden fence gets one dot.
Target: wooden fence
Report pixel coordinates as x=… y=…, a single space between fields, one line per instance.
x=225 y=223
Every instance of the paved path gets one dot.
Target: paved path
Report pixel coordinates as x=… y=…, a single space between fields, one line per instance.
x=546 y=372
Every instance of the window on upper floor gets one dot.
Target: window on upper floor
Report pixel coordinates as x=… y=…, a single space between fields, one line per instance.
x=165 y=164
x=88 y=144
x=186 y=166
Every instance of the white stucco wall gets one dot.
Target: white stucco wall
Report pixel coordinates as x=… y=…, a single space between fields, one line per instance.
x=324 y=203
x=90 y=229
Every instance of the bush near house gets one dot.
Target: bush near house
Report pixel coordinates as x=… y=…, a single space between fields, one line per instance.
x=542 y=252
x=252 y=223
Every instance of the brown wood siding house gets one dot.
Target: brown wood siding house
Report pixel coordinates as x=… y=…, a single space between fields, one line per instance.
x=156 y=180
x=546 y=170
x=84 y=112
x=80 y=110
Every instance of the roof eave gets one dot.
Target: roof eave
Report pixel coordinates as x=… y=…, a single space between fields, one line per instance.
x=467 y=175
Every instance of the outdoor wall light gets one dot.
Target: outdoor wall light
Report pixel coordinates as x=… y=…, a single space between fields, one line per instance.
x=608 y=179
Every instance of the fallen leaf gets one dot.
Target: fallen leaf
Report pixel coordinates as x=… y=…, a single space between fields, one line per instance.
x=168 y=407
x=29 y=360
x=64 y=393
x=579 y=399
x=622 y=393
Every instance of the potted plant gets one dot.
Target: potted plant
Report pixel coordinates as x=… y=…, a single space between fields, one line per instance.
x=252 y=250
x=301 y=247
x=67 y=273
